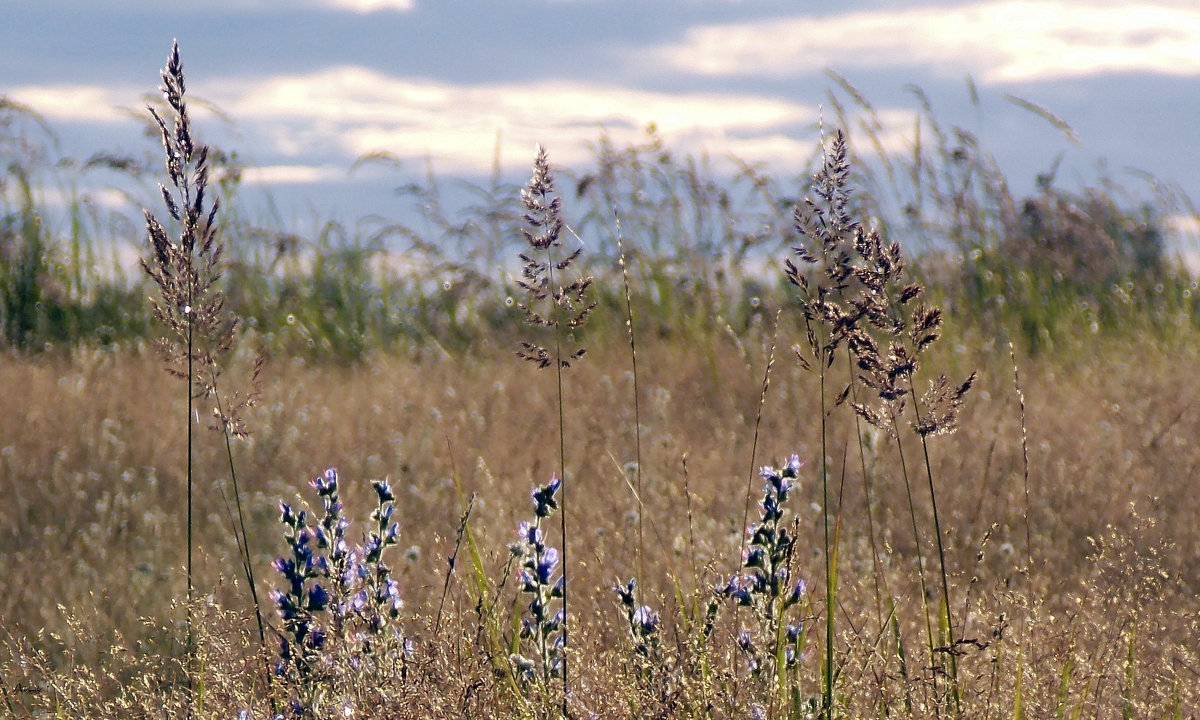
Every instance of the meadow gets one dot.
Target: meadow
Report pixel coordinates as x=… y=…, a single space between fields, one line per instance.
x=884 y=440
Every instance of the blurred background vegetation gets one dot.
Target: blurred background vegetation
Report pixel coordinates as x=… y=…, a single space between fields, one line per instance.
x=703 y=246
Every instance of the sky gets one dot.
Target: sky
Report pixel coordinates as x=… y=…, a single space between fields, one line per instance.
x=304 y=87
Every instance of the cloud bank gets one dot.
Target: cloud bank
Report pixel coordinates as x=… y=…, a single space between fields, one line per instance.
x=460 y=125
x=340 y=113
x=1000 y=41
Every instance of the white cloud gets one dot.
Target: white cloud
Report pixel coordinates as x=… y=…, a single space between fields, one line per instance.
x=344 y=112
x=1000 y=41
x=363 y=7
x=459 y=126
x=292 y=174
x=102 y=198
x=348 y=111
x=110 y=199
x=1183 y=231
x=75 y=103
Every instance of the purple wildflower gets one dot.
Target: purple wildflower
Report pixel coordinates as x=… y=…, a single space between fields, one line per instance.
x=529 y=533
x=384 y=491
x=318 y=599
x=645 y=620
x=543 y=630
x=765 y=581
x=326 y=485
x=543 y=497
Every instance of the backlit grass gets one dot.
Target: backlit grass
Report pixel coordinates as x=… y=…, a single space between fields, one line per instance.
x=1056 y=577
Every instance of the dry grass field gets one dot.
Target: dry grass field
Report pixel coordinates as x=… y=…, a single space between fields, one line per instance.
x=740 y=503
x=93 y=524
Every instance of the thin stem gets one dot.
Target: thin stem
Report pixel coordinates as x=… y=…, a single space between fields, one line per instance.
x=876 y=573
x=762 y=402
x=687 y=498
x=190 y=311
x=452 y=561
x=937 y=527
x=862 y=459
x=1024 y=457
x=538 y=553
x=562 y=469
x=829 y=589
x=243 y=540
x=912 y=513
x=637 y=414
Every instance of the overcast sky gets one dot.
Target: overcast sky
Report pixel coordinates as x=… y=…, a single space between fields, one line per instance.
x=309 y=85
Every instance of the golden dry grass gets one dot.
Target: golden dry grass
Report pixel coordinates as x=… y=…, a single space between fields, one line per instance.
x=92 y=456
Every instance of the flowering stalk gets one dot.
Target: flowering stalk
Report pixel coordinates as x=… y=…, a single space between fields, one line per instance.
x=543 y=630
x=302 y=637
x=334 y=591
x=822 y=272
x=906 y=327
x=643 y=624
x=378 y=602
x=766 y=586
x=552 y=304
x=185 y=268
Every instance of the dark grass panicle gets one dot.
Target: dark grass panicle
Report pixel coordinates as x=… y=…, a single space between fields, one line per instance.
x=854 y=295
x=896 y=328
x=185 y=268
x=547 y=304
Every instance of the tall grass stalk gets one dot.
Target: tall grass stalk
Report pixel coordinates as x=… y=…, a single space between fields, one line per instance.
x=946 y=622
x=231 y=426
x=549 y=304
x=938 y=416
x=452 y=560
x=825 y=246
x=185 y=270
x=931 y=644
x=859 y=296
x=637 y=408
x=1012 y=352
x=830 y=555
x=758 y=417
x=562 y=518
x=868 y=501
x=906 y=327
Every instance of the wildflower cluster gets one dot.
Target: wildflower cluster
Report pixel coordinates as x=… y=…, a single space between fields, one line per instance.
x=378 y=601
x=765 y=583
x=643 y=622
x=543 y=631
x=333 y=592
